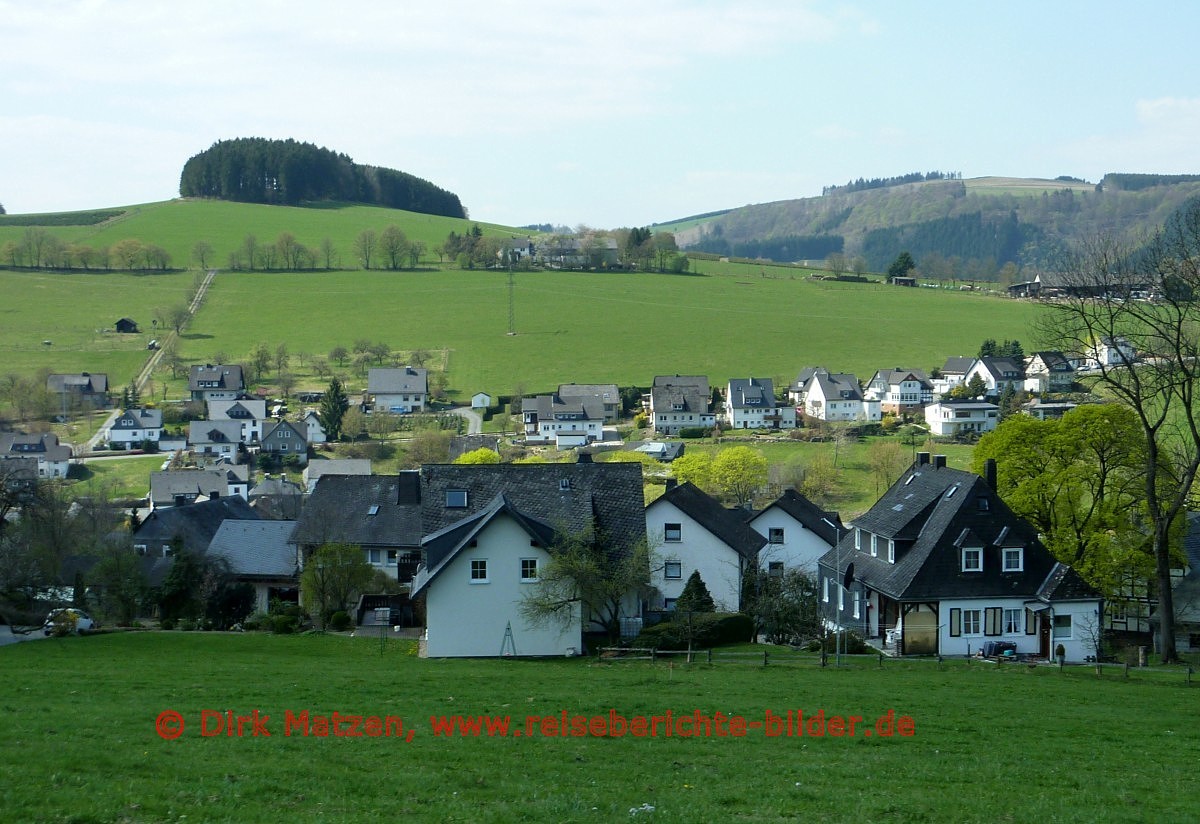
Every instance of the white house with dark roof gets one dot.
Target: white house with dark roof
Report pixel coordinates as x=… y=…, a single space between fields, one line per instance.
x=798 y=533
x=53 y=459
x=680 y=402
x=215 y=439
x=607 y=393
x=941 y=566
x=180 y=487
x=827 y=396
x=956 y=417
x=565 y=422
x=133 y=427
x=899 y=391
x=398 y=390
x=997 y=374
x=692 y=532
x=249 y=413
x=209 y=382
x=1048 y=371
x=750 y=404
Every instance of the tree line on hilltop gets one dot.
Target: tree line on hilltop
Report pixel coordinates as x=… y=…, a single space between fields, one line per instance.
x=287 y=172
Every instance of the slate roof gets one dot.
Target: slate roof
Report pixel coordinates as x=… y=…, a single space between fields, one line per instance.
x=256 y=549
x=1052 y=360
x=605 y=499
x=608 y=392
x=225 y=376
x=840 y=387
x=165 y=485
x=272 y=432
x=138 y=419
x=275 y=486
x=808 y=514
x=554 y=407
x=390 y=381
x=339 y=509
x=898 y=375
x=196 y=523
x=1004 y=369
x=336 y=466
x=214 y=432
x=751 y=393
x=931 y=512
x=690 y=393
x=44 y=447
x=240 y=410
x=87 y=383
x=957 y=365
x=726 y=524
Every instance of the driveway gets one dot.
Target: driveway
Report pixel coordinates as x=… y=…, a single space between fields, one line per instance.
x=7 y=636
x=474 y=419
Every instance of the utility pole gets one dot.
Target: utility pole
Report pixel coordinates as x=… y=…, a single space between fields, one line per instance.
x=512 y=317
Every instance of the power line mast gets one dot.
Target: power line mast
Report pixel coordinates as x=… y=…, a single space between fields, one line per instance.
x=512 y=317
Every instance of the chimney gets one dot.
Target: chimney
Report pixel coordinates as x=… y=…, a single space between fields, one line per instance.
x=584 y=457
x=922 y=458
x=939 y=461
x=989 y=473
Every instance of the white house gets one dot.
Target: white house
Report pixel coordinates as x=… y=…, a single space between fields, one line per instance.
x=134 y=426
x=954 y=417
x=798 y=533
x=608 y=395
x=311 y=420
x=693 y=532
x=566 y=422
x=679 y=402
x=210 y=382
x=180 y=487
x=997 y=374
x=750 y=404
x=827 y=396
x=1108 y=352
x=941 y=566
x=53 y=458
x=1048 y=372
x=215 y=439
x=400 y=390
x=899 y=391
x=250 y=415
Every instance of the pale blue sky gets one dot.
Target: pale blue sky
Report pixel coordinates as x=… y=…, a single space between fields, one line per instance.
x=604 y=113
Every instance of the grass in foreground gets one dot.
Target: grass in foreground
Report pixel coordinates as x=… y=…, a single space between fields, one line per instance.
x=78 y=741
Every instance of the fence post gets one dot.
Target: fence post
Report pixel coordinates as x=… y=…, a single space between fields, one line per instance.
x=881 y=660
x=1126 y=669
x=1189 y=676
x=710 y=655
x=654 y=655
x=764 y=658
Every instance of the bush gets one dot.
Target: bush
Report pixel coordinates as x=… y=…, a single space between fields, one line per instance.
x=167 y=623
x=695 y=432
x=340 y=621
x=284 y=624
x=852 y=645
x=187 y=625
x=709 y=629
x=255 y=621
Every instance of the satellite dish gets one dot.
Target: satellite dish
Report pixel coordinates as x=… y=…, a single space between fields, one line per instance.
x=849 y=579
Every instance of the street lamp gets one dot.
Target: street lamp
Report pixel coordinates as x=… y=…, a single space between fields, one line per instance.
x=837 y=572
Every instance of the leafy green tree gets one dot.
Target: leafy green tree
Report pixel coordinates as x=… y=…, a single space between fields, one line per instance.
x=901 y=266
x=695 y=596
x=394 y=246
x=365 y=245
x=783 y=606
x=483 y=455
x=179 y=596
x=334 y=404
x=695 y=468
x=582 y=574
x=739 y=472
x=334 y=575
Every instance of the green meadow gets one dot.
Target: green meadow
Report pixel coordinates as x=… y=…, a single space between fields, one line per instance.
x=78 y=739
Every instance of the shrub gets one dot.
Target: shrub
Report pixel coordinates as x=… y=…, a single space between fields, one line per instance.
x=284 y=624
x=167 y=623
x=641 y=420
x=695 y=432
x=187 y=625
x=709 y=629
x=852 y=645
x=255 y=621
x=340 y=621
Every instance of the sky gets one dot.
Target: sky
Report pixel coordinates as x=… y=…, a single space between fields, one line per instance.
x=600 y=113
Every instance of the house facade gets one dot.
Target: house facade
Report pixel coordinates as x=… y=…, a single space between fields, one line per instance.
x=680 y=402
x=1048 y=372
x=959 y=417
x=565 y=422
x=837 y=397
x=215 y=440
x=53 y=459
x=398 y=390
x=608 y=395
x=692 y=532
x=221 y=382
x=180 y=487
x=259 y=554
x=133 y=427
x=750 y=404
x=899 y=391
x=797 y=533
x=941 y=566
x=81 y=389
x=250 y=414
x=997 y=374
x=285 y=439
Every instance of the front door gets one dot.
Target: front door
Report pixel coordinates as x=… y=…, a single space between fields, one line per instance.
x=1043 y=635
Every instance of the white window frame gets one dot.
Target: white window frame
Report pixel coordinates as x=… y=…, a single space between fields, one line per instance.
x=1065 y=631
x=1020 y=559
x=1012 y=620
x=891 y=551
x=479 y=571
x=775 y=535
x=977 y=553
x=673 y=566
x=972 y=617
x=526 y=578
x=672 y=529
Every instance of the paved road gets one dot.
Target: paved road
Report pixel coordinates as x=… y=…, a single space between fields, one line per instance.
x=474 y=419
x=8 y=637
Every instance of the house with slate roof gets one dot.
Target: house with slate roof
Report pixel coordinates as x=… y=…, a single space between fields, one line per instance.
x=827 y=396
x=680 y=401
x=180 y=487
x=398 y=390
x=750 y=404
x=134 y=426
x=259 y=553
x=692 y=532
x=607 y=393
x=379 y=513
x=86 y=388
x=335 y=466
x=250 y=414
x=997 y=374
x=1048 y=371
x=899 y=391
x=798 y=533
x=490 y=529
x=566 y=422
x=53 y=459
x=194 y=525
x=285 y=438
x=221 y=382
x=942 y=566
x=214 y=440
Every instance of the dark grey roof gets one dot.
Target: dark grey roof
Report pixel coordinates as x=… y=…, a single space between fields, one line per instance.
x=899 y=374
x=1004 y=368
x=726 y=524
x=554 y=407
x=196 y=523
x=256 y=549
x=139 y=419
x=842 y=386
x=271 y=431
x=164 y=486
x=214 y=432
x=676 y=393
x=225 y=376
x=603 y=499
x=275 y=486
x=44 y=447
x=808 y=514
x=957 y=365
x=931 y=513
x=607 y=392
x=752 y=393
x=86 y=383
x=340 y=510
x=1064 y=584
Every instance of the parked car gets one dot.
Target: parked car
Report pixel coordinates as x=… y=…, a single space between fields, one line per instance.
x=66 y=621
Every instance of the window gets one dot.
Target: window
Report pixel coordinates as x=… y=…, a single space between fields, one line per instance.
x=858 y=534
x=391 y=557
x=775 y=535
x=1062 y=626
x=1014 y=559
x=529 y=569
x=140 y=549
x=479 y=573
x=673 y=532
x=825 y=598
x=1118 y=612
x=841 y=598
x=775 y=568
x=167 y=551
x=972 y=622
x=891 y=551
x=564 y=484
x=856 y=594
x=1012 y=621
x=972 y=559
x=673 y=570
x=456 y=498
x=373 y=509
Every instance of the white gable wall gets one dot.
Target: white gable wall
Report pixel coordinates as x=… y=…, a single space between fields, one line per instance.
x=698 y=549
x=800 y=548
x=466 y=619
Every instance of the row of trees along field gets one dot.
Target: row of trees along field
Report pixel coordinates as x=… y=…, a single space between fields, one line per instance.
x=39 y=249
x=257 y=170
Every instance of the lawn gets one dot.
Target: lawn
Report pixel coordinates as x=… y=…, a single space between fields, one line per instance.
x=120 y=478
x=78 y=741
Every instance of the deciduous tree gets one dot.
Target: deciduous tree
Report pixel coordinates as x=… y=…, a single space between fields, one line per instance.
x=334 y=575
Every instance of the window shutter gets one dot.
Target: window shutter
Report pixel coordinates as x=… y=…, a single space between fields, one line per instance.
x=955 y=622
x=1030 y=623
x=991 y=621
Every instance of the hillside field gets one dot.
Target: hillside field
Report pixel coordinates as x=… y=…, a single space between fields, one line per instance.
x=78 y=741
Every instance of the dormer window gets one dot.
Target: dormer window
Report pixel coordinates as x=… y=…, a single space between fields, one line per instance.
x=972 y=559
x=1014 y=559
x=456 y=498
